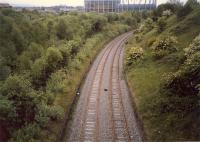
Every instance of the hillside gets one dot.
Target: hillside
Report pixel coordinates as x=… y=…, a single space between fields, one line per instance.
x=163 y=71
x=43 y=58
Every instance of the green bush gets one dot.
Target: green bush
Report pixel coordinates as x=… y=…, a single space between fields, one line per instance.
x=24 y=100
x=55 y=83
x=26 y=59
x=53 y=58
x=193 y=47
x=47 y=113
x=74 y=46
x=5 y=70
x=164 y=46
x=63 y=30
x=38 y=73
x=27 y=133
x=161 y=24
x=134 y=55
x=112 y=17
x=167 y=13
x=149 y=25
x=187 y=8
x=65 y=51
x=185 y=81
x=173 y=7
x=98 y=23
x=138 y=37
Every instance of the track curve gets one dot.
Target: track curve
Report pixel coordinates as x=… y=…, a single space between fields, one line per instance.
x=104 y=112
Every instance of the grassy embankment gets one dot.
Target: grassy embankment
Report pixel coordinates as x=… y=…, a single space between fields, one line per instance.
x=146 y=78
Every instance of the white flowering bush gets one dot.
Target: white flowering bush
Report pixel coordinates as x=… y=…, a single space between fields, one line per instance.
x=134 y=55
x=164 y=46
x=193 y=47
x=186 y=80
x=167 y=13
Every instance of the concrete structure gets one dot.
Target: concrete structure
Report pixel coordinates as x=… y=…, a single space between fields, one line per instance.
x=103 y=6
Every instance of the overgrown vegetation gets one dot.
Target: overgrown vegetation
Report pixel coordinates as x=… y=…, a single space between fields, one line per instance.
x=166 y=80
x=42 y=59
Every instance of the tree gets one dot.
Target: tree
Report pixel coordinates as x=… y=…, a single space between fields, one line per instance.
x=53 y=58
x=63 y=30
x=23 y=99
x=27 y=58
x=4 y=69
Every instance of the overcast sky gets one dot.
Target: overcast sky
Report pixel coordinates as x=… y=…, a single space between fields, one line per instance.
x=52 y=2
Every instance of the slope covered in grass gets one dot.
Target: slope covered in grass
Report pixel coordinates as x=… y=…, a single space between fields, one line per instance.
x=165 y=78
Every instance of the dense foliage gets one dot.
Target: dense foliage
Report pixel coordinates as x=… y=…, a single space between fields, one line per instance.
x=38 y=54
x=186 y=80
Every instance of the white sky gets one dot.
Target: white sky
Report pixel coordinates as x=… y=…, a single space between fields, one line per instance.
x=52 y=2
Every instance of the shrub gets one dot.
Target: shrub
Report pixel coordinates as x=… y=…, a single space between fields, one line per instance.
x=161 y=24
x=27 y=133
x=185 y=81
x=4 y=69
x=149 y=25
x=55 y=83
x=26 y=59
x=47 y=113
x=184 y=11
x=166 y=43
x=38 y=73
x=164 y=46
x=163 y=7
x=112 y=17
x=7 y=111
x=65 y=51
x=138 y=37
x=23 y=98
x=53 y=58
x=159 y=54
x=98 y=23
x=44 y=66
x=193 y=47
x=63 y=30
x=167 y=13
x=134 y=55
x=131 y=21
x=74 y=46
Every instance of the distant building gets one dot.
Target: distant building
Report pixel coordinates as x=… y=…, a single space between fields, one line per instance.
x=5 y=5
x=103 y=6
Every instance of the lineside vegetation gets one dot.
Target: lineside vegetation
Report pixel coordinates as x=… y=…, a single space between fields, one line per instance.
x=166 y=80
x=42 y=59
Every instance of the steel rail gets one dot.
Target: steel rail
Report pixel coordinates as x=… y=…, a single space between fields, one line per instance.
x=88 y=97
x=118 y=84
x=111 y=86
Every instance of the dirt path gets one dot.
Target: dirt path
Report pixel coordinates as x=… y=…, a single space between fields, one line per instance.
x=104 y=111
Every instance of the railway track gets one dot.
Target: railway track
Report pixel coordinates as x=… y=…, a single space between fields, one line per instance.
x=104 y=112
